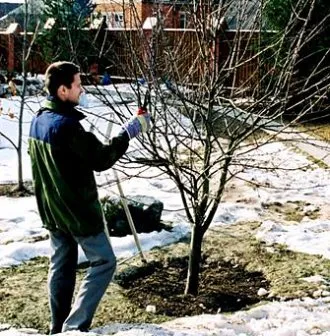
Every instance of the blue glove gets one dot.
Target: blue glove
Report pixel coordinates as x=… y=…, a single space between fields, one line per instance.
x=137 y=124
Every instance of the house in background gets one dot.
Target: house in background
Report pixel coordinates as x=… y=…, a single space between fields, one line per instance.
x=137 y=13
x=176 y=14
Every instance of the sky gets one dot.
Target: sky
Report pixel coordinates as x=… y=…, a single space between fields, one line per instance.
x=20 y=224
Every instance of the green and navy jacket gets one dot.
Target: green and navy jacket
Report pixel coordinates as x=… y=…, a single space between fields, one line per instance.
x=64 y=157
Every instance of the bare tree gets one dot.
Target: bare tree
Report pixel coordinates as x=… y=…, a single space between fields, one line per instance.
x=221 y=88
x=26 y=51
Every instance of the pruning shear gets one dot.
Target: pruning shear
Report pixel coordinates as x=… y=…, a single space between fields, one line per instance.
x=143 y=107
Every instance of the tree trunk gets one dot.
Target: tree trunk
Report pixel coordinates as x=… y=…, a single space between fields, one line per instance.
x=194 y=261
x=20 y=184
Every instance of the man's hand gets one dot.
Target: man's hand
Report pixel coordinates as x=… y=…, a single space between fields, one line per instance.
x=137 y=124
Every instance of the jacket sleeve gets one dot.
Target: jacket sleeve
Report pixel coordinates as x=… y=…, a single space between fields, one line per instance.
x=94 y=153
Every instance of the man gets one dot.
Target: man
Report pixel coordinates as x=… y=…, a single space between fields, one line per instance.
x=63 y=157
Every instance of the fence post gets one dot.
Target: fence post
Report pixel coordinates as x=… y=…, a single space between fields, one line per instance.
x=12 y=29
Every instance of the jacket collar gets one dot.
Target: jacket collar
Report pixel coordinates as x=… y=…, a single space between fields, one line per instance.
x=61 y=107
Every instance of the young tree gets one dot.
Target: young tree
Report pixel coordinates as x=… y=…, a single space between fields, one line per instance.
x=26 y=52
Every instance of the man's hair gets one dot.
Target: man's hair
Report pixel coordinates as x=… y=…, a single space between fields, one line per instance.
x=60 y=73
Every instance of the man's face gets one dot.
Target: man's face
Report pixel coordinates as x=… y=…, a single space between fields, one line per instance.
x=72 y=94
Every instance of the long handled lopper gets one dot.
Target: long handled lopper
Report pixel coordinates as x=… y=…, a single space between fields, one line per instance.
x=120 y=189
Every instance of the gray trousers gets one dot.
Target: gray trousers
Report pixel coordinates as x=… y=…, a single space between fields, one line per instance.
x=62 y=278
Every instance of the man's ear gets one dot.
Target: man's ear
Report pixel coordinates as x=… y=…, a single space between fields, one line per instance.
x=62 y=92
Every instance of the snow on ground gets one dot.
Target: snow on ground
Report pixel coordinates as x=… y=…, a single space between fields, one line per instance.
x=308 y=237
x=20 y=230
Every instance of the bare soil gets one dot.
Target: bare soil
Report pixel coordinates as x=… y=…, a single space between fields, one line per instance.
x=222 y=288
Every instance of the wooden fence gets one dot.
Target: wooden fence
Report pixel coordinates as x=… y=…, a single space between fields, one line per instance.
x=179 y=54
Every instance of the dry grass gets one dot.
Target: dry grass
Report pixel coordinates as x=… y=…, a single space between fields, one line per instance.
x=318 y=130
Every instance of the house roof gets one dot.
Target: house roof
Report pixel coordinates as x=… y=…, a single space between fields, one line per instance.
x=16 y=14
x=6 y=7
x=243 y=15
